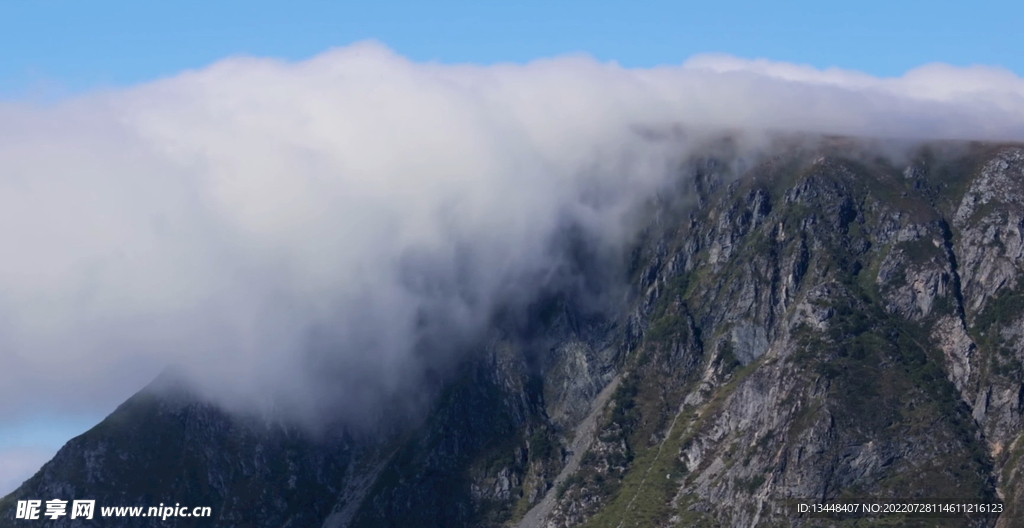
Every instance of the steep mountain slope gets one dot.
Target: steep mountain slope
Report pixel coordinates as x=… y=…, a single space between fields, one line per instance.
x=825 y=323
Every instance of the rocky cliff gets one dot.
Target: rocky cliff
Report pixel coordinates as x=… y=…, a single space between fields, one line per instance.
x=814 y=323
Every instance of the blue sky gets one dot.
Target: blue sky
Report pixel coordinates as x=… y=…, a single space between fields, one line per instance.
x=54 y=49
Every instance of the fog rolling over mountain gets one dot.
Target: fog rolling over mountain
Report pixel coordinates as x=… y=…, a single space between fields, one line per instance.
x=384 y=293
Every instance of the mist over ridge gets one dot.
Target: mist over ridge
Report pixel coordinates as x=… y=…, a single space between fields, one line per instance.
x=291 y=234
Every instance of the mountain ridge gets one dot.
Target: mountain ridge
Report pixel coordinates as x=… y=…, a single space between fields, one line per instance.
x=820 y=323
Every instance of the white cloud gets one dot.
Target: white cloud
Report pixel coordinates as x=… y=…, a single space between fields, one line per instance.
x=282 y=229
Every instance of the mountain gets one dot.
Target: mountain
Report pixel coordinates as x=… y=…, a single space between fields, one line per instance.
x=820 y=321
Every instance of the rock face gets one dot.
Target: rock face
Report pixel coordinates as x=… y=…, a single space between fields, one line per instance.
x=823 y=324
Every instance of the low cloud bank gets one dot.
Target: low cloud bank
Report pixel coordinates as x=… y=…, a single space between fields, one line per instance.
x=293 y=235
